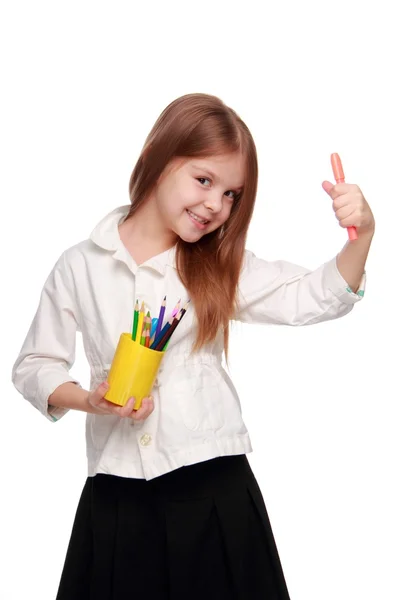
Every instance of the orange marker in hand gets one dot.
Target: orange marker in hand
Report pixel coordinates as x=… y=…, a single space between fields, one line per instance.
x=339 y=178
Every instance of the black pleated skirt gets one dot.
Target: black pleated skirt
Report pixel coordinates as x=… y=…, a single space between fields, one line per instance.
x=199 y=532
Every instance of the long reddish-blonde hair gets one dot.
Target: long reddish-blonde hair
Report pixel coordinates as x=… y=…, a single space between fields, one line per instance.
x=201 y=125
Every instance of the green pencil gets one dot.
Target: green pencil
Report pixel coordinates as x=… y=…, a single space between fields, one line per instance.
x=135 y=320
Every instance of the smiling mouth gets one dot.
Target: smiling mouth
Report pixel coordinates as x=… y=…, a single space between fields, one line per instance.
x=197 y=218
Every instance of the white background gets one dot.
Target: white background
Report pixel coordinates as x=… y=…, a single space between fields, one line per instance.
x=82 y=84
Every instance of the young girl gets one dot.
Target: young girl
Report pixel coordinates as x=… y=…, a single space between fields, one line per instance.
x=171 y=508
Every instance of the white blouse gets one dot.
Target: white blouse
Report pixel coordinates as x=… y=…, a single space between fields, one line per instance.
x=197 y=415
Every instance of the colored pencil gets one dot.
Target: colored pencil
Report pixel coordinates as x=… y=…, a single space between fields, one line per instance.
x=146 y=325
x=176 y=309
x=179 y=317
x=162 y=333
x=135 y=320
x=147 y=338
x=161 y=316
x=168 y=333
x=153 y=326
x=140 y=324
x=184 y=309
x=143 y=331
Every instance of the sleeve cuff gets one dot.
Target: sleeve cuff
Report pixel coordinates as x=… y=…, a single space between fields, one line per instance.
x=53 y=413
x=339 y=286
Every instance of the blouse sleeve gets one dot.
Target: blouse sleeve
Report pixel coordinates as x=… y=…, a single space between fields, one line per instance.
x=48 y=351
x=281 y=292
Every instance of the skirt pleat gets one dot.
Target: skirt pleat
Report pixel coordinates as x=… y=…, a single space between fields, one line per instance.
x=199 y=532
x=77 y=572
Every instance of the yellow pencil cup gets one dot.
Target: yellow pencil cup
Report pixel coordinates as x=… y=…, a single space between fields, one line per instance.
x=133 y=371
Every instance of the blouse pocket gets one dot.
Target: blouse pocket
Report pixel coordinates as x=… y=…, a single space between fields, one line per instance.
x=197 y=393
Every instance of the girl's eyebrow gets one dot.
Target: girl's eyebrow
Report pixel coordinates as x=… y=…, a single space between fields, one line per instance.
x=205 y=170
x=212 y=175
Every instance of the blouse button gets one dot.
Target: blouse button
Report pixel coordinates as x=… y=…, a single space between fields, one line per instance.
x=145 y=440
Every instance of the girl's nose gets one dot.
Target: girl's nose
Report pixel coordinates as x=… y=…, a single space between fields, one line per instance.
x=213 y=202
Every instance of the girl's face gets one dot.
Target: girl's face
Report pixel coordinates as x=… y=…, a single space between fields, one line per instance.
x=195 y=196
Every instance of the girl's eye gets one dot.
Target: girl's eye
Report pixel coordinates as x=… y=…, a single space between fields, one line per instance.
x=234 y=194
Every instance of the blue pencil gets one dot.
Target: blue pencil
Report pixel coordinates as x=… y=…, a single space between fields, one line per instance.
x=161 y=316
x=159 y=337
x=153 y=326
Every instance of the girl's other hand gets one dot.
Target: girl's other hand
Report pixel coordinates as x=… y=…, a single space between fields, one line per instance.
x=350 y=206
x=104 y=407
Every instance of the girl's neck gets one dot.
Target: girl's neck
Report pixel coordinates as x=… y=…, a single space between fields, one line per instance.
x=144 y=236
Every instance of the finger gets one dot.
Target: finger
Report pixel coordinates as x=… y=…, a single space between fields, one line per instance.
x=104 y=406
x=141 y=414
x=344 y=213
x=327 y=187
x=340 y=202
x=126 y=410
x=349 y=222
x=341 y=189
x=109 y=407
x=145 y=410
x=96 y=397
x=336 y=190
